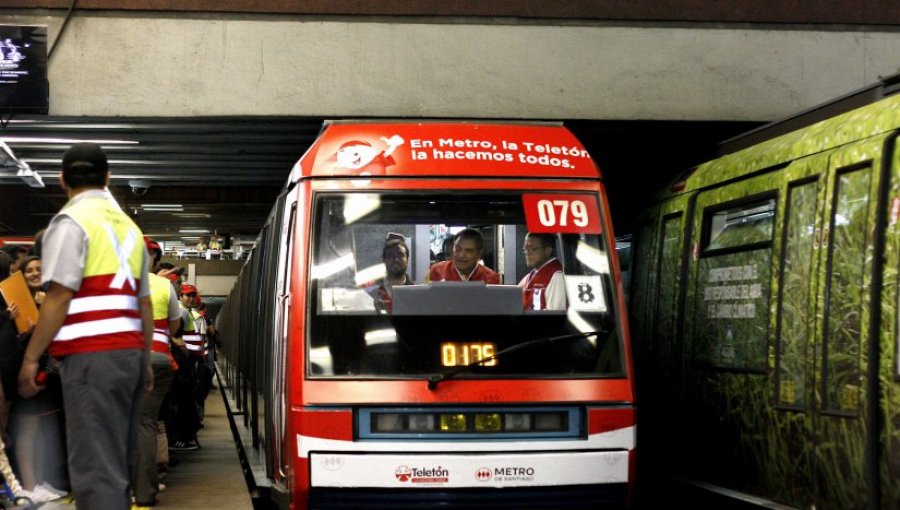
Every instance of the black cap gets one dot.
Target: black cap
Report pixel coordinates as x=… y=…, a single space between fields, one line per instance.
x=85 y=158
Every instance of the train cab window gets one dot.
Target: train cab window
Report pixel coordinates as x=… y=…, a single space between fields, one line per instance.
x=561 y=313
x=732 y=308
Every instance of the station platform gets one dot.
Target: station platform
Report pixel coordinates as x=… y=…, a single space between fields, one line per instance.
x=206 y=479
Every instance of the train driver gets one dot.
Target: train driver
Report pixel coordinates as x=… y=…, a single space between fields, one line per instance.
x=543 y=287
x=464 y=266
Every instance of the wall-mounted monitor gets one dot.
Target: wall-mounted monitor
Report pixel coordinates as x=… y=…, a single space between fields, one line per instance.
x=24 y=87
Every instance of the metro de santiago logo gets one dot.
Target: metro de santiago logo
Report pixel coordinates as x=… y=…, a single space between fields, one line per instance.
x=483 y=474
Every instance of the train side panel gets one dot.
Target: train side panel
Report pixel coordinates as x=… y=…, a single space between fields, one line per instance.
x=785 y=323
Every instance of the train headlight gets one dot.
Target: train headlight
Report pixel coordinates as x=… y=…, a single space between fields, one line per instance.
x=421 y=422
x=549 y=421
x=389 y=422
x=488 y=422
x=471 y=422
x=453 y=423
x=517 y=422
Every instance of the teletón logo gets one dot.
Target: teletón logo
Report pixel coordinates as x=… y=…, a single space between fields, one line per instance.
x=427 y=475
x=403 y=473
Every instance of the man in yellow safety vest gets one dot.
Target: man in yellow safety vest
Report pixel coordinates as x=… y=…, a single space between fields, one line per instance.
x=166 y=320
x=96 y=319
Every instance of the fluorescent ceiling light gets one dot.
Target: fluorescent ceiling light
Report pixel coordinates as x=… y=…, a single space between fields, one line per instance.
x=30 y=177
x=592 y=257
x=369 y=274
x=192 y=215
x=357 y=206
x=381 y=336
x=194 y=231
x=22 y=139
x=23 y=171
x=161 y=206
x=331 y=267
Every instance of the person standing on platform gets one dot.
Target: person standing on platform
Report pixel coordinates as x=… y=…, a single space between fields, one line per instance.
x=166 y=320
x=36 y=423
x=97 y=319
x=206 y=367
x=10 y=351
x=18 y=254
x=185 y=419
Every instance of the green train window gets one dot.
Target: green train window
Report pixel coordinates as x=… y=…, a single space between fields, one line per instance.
x=733 y=275
x=741 y=225
x=794 y=299
x=846 y=288
x=669 y=272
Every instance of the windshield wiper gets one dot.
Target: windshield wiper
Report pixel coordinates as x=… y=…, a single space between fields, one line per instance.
x=453 y=372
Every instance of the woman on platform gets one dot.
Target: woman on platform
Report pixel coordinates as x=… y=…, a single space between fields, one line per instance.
x=36 y=424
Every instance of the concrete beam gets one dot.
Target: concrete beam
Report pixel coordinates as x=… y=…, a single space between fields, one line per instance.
x=127 y=64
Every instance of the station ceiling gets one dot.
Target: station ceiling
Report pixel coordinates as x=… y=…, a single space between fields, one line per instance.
x=224 y=173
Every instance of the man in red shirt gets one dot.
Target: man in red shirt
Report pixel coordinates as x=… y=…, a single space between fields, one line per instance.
x=464 y=266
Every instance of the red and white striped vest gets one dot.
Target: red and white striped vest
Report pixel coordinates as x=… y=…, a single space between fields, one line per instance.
x=536 y=283
x=193 y=340
x=103 y=314
x=160 y=292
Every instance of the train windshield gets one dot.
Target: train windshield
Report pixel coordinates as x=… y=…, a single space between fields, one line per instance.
x=480 y=285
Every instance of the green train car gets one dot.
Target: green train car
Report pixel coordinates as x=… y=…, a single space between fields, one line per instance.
x=765 y=314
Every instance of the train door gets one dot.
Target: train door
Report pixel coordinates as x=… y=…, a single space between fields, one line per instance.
x=889 y=363
x=263 y=405
x=726 y=395
x=787 y=465
x=658 y=284
x=846 y=374
x=281 y=459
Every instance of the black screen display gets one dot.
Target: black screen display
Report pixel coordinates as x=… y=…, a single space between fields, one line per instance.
x=23 y=69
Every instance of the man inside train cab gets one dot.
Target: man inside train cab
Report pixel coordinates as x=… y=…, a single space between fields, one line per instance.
x=543 y=287
x=97 y=319
x=395 y=256
x=465 y=264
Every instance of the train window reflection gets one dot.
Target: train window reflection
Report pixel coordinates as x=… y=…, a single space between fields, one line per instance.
x=478 y=292
x=742 y=225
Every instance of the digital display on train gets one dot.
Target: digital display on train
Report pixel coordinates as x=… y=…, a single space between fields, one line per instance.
x=461 y=354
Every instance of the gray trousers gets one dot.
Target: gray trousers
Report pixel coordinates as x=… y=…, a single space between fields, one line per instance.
x=102 y=396
x=146 y=477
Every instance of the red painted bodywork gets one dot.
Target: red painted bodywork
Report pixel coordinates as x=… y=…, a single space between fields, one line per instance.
x=463 y=149
x=22 y=241
x=323 y=408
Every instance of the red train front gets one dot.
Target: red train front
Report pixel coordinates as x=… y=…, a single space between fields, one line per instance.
x=433 y=316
